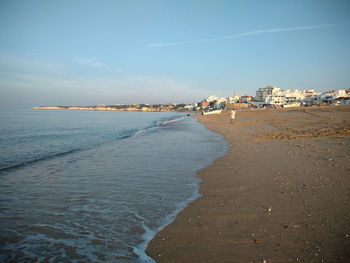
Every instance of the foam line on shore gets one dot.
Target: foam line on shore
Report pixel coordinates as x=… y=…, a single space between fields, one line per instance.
x=149 y=234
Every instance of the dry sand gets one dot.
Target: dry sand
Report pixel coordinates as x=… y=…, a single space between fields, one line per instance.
x=281 y=193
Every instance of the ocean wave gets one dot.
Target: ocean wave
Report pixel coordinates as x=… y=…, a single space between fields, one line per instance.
x=159 y=123
x=63 y=153
x=58 y=132
x=29 y=162
x=125 y=135
x=165 y=122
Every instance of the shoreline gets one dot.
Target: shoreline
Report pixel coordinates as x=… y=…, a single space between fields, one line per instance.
x=280 y=193
x=108 y=108
x=149 y=234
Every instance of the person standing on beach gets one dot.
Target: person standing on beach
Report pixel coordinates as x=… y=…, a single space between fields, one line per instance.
x=233 y=115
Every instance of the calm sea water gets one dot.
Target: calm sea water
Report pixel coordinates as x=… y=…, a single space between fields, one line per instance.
x=83 y=186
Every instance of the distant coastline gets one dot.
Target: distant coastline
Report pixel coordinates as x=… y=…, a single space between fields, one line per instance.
x=134 y=107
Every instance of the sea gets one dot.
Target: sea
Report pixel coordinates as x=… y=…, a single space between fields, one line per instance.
x=95 y=186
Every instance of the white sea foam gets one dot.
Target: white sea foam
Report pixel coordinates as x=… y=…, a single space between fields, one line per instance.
x=171 y=120
x=168 y=219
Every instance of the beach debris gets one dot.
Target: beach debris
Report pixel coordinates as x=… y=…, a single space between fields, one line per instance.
x=269 y=210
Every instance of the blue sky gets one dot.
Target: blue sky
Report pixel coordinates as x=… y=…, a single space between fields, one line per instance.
x=93 y=52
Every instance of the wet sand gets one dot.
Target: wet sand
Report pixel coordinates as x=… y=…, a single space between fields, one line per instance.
x=281 y=193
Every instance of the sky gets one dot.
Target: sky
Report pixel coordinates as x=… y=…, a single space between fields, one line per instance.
x=149 y=51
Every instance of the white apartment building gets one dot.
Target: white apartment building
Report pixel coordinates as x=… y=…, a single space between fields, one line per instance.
x=221 y=100
x=263 y=93
x=214 y=101
x=330 y=96
x=212 y=98
x=275 y=96
x=336 y=93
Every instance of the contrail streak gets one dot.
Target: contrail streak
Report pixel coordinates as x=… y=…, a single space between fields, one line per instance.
x=244 y=34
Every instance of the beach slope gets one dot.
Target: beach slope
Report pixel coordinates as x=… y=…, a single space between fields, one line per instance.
x=281 y=193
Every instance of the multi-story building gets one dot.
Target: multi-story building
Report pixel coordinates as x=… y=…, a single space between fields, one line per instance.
x=275 y=96
x=263 y=93
x=329 y=97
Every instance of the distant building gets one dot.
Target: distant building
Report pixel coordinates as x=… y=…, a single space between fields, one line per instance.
x=245 y=99
x=329 y=97
x=275 y=96
x=221 y=100
x=213 y=102
x=336 y=93
x=190 y=107
x=212 y=98
x=263 y=93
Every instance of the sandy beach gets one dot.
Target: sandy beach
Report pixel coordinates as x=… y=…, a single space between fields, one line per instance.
x=280 y=194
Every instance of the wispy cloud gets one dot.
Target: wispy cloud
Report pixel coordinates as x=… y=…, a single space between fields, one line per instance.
x=88 y=61
x=25 y=64
x=94 y=63
x=243 y=34
x=36 y=82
